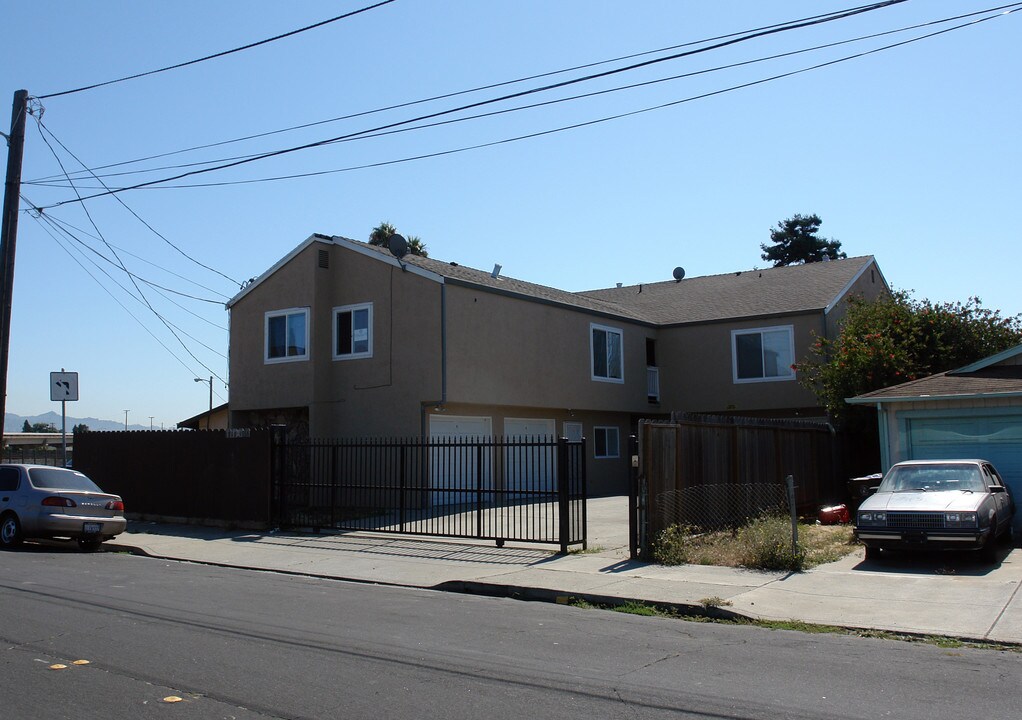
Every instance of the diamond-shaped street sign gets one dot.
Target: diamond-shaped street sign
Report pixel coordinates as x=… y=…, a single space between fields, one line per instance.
x=63 y=386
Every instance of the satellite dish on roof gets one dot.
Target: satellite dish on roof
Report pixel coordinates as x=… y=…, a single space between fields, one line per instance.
x=398 y=246
x=679 y=273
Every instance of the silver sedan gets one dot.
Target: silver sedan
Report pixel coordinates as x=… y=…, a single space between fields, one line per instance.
x=39 y=501
x=937 y=505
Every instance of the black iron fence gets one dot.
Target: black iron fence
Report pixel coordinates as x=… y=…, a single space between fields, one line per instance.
x=520 y=489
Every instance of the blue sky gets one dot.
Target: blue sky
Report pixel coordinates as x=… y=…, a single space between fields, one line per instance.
x=909 y=154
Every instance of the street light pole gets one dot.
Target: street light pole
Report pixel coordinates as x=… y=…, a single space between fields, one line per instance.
x=126 y=420
x=209 y=415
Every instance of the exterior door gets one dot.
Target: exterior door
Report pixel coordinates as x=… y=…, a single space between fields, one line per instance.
x=459 y=468
x=527 y=467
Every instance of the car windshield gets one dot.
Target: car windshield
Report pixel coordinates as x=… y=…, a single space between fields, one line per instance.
x=933 y=478
x=57 y=479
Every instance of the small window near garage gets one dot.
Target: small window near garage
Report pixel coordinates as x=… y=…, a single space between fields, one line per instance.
x=605 y=344
x=353 y=332
x=287 y=335
x=606 y=442
x=573 y=431
x=763 y=354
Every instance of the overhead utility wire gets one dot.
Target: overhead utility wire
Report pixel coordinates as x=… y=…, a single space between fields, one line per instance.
x=115 y=299
x=591 y=122
x=66 y=224
x=158 y=234
x=573 y=97
x=444 y=96
x=606 y=73
x=49 y=220
x=223 y=53
x=125 y=269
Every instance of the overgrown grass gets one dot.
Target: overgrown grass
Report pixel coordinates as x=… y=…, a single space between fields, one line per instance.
x=762 y=544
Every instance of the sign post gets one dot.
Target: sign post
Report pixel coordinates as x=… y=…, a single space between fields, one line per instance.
x=63 y=387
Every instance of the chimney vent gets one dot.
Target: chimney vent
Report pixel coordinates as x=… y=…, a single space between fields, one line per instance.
x=496 y=271
x=619 y=284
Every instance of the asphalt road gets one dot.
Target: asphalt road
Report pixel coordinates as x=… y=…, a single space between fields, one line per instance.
x=241 y=644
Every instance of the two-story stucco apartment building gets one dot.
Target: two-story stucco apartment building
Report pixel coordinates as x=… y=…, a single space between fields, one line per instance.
x=342 y=339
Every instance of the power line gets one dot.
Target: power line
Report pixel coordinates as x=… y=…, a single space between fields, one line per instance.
x=223 y=53
x=630 y=86
x=125 y=269
x=587 y=123
x=43 y=127
x=565 y=83
x=447 y=95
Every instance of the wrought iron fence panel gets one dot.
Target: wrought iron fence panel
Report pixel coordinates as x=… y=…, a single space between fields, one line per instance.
x=523 y=489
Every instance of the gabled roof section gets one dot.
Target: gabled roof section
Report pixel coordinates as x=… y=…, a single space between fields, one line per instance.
x=995 y=376
x=752 y=293
x=246 y=289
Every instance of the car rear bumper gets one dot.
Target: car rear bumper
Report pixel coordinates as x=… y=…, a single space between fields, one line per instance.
x=904 y=539
x=74 y=526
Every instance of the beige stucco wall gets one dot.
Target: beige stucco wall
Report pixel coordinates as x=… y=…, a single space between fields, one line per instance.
x=507 y=351
x=373 y=396
x=869 y=286
x=696 y=368
x=605 y=476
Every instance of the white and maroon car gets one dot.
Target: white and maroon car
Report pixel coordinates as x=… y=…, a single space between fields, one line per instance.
x=936 y=505
x=39 y=501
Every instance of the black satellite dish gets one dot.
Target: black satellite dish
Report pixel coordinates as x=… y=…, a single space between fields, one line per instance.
x=679 y=273
x=398 y=246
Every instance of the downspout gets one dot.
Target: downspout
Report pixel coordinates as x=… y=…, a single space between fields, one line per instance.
x=443 y=364
x=885 y=438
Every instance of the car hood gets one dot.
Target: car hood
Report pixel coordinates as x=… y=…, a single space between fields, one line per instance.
x=955 y=500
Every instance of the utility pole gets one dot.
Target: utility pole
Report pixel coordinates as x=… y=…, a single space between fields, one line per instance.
x=126 y=420
x=9 y=236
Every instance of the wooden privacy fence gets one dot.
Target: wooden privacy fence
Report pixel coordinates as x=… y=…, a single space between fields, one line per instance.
x=208 y=475
x=692 y=451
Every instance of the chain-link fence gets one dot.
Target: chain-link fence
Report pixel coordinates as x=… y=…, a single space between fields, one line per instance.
x=709 y=508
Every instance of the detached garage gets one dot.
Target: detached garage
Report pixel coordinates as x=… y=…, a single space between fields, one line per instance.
x=973 y=412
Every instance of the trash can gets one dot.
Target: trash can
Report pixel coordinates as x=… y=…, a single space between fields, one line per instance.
x=861 y=488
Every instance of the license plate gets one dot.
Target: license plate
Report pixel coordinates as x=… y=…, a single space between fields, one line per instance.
x=92 y=528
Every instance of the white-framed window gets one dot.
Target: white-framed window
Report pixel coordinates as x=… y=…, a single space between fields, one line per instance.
x=353 y=331
x=286 y=335
x=763 y=354
x=606 y=352
x=573 y=431
x=606 y=442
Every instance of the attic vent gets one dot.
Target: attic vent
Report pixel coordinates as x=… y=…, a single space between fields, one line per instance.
x=324 y=259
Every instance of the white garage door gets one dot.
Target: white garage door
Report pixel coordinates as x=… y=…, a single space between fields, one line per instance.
x=459 y=465
x=997 y=438
x=528 y=468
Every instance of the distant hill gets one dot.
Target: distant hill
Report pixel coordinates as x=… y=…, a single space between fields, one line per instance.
x=14 y=423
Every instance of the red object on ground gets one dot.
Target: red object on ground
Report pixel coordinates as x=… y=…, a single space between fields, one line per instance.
x=834 y=515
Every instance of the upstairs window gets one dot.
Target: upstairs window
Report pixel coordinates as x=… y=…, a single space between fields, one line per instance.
x=605 y=346
x=287 y=335
x=763 y=354
x=353 y=332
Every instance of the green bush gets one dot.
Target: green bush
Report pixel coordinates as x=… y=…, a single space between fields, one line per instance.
x=673 y=546
x=766 y=543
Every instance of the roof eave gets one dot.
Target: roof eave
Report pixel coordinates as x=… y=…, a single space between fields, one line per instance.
x=926 y=398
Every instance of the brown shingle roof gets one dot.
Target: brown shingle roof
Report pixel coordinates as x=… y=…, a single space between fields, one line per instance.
x=988 y=381
x=753 y=293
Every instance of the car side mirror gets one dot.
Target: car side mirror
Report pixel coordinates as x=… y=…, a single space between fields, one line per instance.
x=995 y=488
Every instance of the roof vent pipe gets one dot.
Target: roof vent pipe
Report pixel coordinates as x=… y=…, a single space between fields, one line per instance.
x=619 y=284
x=496 y=271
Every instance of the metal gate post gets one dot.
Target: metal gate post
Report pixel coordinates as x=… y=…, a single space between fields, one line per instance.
x=278 y=461
x=563 y=515
x=633 y=498
x=479 y=489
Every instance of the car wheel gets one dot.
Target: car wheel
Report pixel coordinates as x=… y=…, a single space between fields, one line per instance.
x=10 y=531
x=88 y=545
x=872 y=553
x=989 y=550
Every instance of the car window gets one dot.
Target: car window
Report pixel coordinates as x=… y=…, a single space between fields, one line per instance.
x=9 y=479
x=995 y=479
x=57 y=479
x=933 y=478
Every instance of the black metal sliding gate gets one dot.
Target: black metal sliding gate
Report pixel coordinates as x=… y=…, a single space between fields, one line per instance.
x=528 y=489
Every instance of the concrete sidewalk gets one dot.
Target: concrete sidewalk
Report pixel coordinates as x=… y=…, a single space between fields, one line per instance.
x=942 y=595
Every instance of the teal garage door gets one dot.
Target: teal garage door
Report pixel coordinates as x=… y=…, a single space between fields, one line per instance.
x=997 y=438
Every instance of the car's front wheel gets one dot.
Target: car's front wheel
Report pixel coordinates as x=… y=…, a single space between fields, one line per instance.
x=10 y=531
